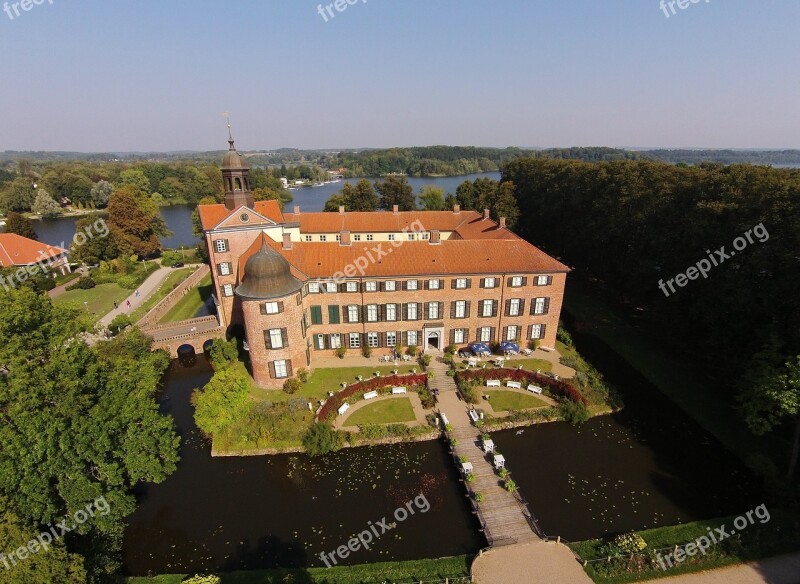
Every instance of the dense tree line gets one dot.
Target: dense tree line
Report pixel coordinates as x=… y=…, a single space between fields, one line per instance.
x=633 y=224
x=79 y=423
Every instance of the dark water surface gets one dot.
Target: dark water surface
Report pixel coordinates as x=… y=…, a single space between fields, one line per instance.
x=649 y=465
x=258 y=512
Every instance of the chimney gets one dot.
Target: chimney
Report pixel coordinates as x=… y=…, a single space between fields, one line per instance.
x=502 y=222
x=297 y=209
x=436 y=237
x=456 y=209
x=486 y=213
x=287 y=241
x=341 y=209
x=395 y=209
x=344 y=238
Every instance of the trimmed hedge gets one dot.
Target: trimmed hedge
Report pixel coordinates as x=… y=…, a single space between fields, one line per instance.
x=332 y=405
x=558 y=388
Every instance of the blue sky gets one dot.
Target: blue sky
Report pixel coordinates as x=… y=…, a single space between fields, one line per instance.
x=124 y=75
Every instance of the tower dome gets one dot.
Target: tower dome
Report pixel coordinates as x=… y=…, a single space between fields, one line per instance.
x=267 y=275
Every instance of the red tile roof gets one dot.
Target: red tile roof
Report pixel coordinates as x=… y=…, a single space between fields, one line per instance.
x=213 y=215
x=16 y=250
x=503 y=256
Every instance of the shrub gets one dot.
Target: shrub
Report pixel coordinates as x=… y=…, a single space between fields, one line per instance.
x=376 y=383
x=321 y=439
x=292 y=385
x=629 y=543
x=222 y=353
x=426 y=360
x=503 y=473
x=200 y=579
x=462 y=459
x=129 y=282
x=302 y=375
x=120 y=323
x=86 y=283
x=413 y=350
x=169 y=258
x=450 y=349
x=574 y=413
x=534 y=344
x=479 y=497
x=470 y=478
x=510 y=485
x=564 y=336
x=366 y=351
x=341 y=352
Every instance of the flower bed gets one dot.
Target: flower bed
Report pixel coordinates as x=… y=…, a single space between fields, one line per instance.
x=374 y=384
x=558 y=388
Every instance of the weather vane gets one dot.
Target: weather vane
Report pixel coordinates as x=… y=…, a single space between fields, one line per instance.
x=227 y=116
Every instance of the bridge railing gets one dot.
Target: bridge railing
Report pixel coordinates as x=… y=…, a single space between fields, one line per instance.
x=171 y=299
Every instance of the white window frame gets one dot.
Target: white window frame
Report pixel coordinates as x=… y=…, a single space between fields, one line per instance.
x=352 y=313
x=412 y=306
x=323 y=238
x=339 y=237
x=370 y=237
x=461 y=309
x=434 y=285
x=313 y=287
x=371 y=286
x=541 y=280
x=461 y=283
x=412 y=236
x=273 y=335
x=336 y=340
x=539 y=305
x=372 y=313
x=331 y=287
x=516 y=281
x=357 y=237
x=352 y=286
x=220 y=246
x=271 y=308
x=309 y=238
x=281 y=371
x=391 y=313
x=227 y=290
x=486 y=334
x=412 y=285
x=490 y=282
x=391 y=339
x=536 y=331
x=373 y=340
x=458 y=335
x=486 y=308
x=426 y=235
x=391 y=237
x=412 y=340
x=431 y=307
x=514 y=307
x=390 y=286
x=355 y=340
x=512 y=332
x=225 y=269
x=319 y=342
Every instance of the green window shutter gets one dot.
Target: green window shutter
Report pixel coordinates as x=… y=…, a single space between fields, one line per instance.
x=316 y=315
x=333 y=314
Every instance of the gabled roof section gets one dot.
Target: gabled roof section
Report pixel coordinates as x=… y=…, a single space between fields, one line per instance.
x=253 y=219
x=418 y=258
x=16 y=250
x=212 y=216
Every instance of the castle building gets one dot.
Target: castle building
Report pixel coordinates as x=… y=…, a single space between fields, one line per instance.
x=303 y=285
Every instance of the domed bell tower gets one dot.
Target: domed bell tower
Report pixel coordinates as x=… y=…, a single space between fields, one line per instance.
x=236 y=177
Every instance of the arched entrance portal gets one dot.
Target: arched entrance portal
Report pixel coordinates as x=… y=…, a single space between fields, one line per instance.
x=434 y=341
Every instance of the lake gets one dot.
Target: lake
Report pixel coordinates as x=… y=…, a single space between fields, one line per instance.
x=179 y=217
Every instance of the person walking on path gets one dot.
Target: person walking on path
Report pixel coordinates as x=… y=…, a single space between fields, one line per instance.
x=115 y=305
x=128 y=303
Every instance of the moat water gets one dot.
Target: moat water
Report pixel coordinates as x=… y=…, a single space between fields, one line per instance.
x=649 y=465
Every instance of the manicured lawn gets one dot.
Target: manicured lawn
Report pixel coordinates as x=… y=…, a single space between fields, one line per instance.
x=414 y=570
x=190 y=304
x=532 y=364
x=390 y=411
x=100 y=299
x=172 y=282
x=503 y=401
